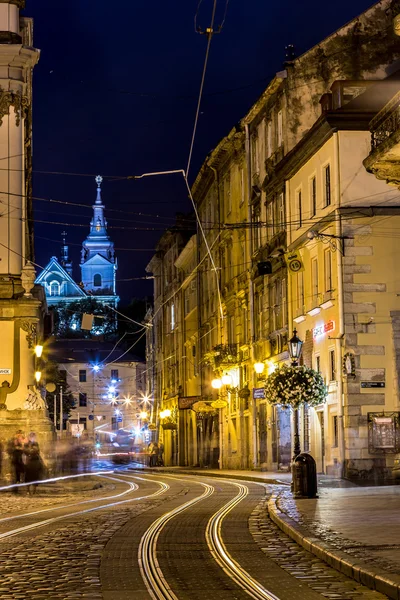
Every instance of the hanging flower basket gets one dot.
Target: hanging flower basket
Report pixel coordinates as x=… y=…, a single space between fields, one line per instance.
x=294 y=386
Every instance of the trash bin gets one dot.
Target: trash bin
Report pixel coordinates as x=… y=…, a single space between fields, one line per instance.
x=304 y=474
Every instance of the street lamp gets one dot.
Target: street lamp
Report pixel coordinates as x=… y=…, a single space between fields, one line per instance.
x=259 y=367
x=38 y=350
x=216 y=384
x=38 y=376
x=295 y=349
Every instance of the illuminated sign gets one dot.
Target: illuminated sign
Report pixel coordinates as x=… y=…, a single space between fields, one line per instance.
x=322 y=329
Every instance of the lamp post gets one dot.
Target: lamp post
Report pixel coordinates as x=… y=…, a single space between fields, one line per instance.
x=295 y=349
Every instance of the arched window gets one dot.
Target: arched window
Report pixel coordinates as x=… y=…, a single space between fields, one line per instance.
x=54 y=288
x=97 y=280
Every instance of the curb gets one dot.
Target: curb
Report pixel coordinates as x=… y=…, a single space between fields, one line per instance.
x=206 y=474
x=376 y=579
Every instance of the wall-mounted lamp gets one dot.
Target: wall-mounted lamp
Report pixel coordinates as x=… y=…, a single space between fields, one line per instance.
x=38 y=376
x=259 y=367
x=316 y=235
x=216 y=384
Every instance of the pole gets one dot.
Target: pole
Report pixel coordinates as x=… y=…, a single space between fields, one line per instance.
x=61 y=412
x=296 y=449
x=55 y=412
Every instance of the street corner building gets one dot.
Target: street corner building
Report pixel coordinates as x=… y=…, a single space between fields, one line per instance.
x=22 y=303
x=297 y=218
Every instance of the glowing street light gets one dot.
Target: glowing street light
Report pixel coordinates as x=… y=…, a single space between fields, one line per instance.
x=38 y=350
x=226 y=379
x=38 y=376
x=259 y=367
x=96 y=368
x=143 y=415
x=216 y=384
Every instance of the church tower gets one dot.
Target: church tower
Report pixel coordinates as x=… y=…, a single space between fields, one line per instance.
x=65 y=262
x=21 y=302
x=98 y=262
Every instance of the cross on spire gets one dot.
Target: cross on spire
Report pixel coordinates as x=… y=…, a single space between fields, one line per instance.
x=98 y=180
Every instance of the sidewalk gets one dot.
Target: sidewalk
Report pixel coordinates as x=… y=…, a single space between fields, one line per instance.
x=354 y=529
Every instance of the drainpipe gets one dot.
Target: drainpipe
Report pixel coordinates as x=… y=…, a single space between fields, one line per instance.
x=251 y=291
x=220 y=334
x=338 y=232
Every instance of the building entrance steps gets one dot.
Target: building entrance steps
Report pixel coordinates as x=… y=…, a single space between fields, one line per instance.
x=354 y=529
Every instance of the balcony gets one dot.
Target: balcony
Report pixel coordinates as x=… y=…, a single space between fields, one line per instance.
x=384 y=158
x=221 y=355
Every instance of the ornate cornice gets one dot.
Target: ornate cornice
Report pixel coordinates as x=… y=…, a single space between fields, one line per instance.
x=19 y=3
x=15 y=99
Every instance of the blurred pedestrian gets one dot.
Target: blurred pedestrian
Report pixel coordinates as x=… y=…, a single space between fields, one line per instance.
x=16 y=454
x=33 y=463
x=153 y=450
x=160 y=457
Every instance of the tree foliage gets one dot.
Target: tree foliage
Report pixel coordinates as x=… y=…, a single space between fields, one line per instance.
x=68 y=316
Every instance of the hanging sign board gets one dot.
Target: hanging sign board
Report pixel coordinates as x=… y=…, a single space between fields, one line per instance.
x=187 y=402
x=259 y=393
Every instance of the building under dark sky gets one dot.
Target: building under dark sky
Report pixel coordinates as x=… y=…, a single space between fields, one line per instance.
x=115 y=93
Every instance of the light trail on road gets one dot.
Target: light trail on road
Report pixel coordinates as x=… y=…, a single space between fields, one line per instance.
x=222 y=556
x=153 y=577
x=132 y=487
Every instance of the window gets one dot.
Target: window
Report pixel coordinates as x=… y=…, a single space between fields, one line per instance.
x=254 y=147
x=270 y=220
x=327 y=185
x=244 y=326
x=82 y=399
x=280 y=128
x=269 y=139
x=231 y=330
x=328 y=270
x=242 y=186
x=281 y=212
x=300 y=291
x=97 y=280
x=332 y=366
x=82 y=375
x=318 y=363
x=314 y=278
x=283 y=302
x=227 y=194
x=335 y=431
x=54 y=288
x=313 y=197
x=299 y=209
x=172 y=317
x=256 y=227
x=114 y=373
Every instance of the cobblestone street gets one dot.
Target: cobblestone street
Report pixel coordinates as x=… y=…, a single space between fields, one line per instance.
x=99 y=554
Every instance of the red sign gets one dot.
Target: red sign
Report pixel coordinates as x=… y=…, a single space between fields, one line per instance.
x=323 y=329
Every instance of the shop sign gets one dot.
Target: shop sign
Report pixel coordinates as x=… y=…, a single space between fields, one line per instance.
x=5 y=371
x=259 y=393
x=372 y=384
x=322 y=329
x=187 y=402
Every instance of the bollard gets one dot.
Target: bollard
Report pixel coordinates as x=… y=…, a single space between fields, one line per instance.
x=304 y=476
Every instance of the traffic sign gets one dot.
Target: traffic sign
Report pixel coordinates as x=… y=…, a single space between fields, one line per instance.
x=91 y=417
x=119 y=419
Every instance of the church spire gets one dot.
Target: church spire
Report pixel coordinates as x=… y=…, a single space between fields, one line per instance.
x=65 y=262
x=98 y=241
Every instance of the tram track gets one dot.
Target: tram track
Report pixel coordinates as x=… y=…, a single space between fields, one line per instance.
x=164 y=487
x=152 y=574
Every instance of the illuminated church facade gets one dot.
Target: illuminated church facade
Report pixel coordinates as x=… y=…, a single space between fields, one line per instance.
x=98 y=266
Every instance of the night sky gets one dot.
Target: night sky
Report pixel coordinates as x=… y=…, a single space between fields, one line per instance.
x=115 y=93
